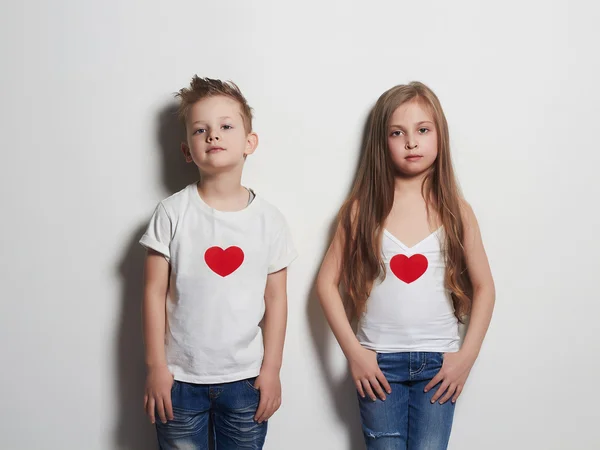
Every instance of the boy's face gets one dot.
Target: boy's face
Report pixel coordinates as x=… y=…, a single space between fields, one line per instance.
x=217 y=140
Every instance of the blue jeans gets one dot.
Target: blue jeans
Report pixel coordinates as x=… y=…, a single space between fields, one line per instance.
x=225 y=411
x=406 y=419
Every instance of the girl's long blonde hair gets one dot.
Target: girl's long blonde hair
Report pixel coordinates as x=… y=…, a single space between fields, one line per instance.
x=364 y=212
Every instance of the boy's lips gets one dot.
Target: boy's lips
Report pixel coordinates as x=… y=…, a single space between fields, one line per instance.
x=214 y=149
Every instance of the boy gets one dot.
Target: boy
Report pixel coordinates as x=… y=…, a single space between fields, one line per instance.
x=216 y=264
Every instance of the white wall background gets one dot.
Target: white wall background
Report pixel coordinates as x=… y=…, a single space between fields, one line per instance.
x=89 y=146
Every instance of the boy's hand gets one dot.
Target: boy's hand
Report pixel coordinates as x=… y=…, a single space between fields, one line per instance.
x=159 y=382
x=269 y=385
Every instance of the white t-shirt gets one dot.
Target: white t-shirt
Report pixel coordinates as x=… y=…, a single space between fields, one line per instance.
x=219 y=266
x=411 y=310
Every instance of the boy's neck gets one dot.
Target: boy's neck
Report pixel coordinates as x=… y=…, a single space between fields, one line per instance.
x=223 y=192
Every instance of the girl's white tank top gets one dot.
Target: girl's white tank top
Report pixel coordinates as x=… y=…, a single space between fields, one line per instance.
x=410 y=310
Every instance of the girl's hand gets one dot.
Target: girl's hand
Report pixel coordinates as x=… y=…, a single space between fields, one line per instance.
x=159 y=382
x=367 y=375
x=453 y=375
x=269 y=385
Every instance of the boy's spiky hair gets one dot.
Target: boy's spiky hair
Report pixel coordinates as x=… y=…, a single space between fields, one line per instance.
x=206 y=87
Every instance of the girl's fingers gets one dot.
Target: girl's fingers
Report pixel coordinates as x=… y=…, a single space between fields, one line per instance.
x=368 y=390
x=440 y=391
x=434 y=381
x=449 y=393
x=377 y=388
x=384 y=382
x=359 y=388
x=457 y=394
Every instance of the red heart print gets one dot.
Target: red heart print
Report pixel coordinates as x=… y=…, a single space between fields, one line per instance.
x=409 y=269
x=224 y=262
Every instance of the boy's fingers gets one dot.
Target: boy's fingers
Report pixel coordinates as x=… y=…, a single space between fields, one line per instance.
x=261 y=409
x=274 y=407
x=268 y=412
x=160 y=409
x=168 y=407
x=150 y=409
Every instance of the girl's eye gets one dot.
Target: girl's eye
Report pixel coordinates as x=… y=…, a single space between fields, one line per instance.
x=423 y=130
x=199 y=131
x=396 y=133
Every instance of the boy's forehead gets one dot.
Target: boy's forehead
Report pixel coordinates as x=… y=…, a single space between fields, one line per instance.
x=218 y=105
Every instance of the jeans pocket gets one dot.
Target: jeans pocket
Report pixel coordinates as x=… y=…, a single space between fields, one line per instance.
x=440 y=357
x=250 y=383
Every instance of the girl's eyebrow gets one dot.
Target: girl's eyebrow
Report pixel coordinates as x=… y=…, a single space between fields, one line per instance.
x=418 y=123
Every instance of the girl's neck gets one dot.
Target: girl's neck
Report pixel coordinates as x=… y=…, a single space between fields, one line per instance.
x=408 y=186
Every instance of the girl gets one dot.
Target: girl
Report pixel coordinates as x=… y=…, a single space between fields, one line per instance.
x=409 y=257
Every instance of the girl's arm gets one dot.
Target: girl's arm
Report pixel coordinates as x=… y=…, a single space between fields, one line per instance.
x=456 y=367
x=484 y=292
x=159 y=380
x=363 y=363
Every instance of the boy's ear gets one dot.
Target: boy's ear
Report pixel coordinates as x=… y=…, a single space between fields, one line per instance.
x=251 y=143
x=186 y=152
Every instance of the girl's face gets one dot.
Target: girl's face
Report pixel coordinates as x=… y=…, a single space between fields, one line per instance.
x=412 y=139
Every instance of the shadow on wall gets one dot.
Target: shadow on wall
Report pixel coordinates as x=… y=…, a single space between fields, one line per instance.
x=342 y=392
x=133 y=430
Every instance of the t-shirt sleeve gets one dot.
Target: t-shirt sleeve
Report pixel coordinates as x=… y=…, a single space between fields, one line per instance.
x=158 y=234
x=283 y=251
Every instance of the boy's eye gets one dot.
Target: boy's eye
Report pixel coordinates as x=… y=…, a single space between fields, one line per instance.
x=199 y=131
x=227 y=127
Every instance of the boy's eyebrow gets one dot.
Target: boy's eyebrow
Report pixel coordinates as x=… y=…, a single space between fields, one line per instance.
x=203 y=121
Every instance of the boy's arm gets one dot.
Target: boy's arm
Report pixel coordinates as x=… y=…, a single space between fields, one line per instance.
x=159 y=380
x=274 y=326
